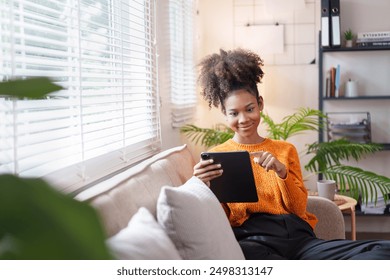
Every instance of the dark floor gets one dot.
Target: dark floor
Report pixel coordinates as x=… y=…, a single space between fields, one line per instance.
x=369 y=235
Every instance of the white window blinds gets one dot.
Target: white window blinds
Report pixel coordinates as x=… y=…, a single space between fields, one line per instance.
x=103 y=53
x=182 y=71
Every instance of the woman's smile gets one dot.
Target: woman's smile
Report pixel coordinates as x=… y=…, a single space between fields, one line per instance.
x=243 y=115
x=245 y=127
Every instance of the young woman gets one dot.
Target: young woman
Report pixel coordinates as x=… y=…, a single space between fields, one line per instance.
x=278 y=225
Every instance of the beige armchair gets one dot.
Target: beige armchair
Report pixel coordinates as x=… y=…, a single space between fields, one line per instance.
x=330 y=219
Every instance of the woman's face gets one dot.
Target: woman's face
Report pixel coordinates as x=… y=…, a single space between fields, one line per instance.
x=243 y=115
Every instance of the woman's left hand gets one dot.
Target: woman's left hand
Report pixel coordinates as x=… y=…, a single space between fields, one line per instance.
x=269 y=162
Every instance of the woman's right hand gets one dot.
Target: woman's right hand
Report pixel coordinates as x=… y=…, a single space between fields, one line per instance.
x=206 y=170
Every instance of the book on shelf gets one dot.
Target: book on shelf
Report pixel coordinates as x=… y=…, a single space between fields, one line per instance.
x=373 y=34
x=332 y=82
x=374 y=44
x=364 y=40
x=337 y=82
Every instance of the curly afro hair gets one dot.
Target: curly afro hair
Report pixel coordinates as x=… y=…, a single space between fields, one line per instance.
x=228 y=71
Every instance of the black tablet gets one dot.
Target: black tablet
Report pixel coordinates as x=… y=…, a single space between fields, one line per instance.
x=236 y=184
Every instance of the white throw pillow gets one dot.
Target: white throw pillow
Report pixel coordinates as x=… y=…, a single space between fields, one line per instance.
x=142 y=239
x=196 y=222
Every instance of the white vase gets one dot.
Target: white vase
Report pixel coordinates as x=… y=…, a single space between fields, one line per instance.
x=348 y=43
x=351 y=89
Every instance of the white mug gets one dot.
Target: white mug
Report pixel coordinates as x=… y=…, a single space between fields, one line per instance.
x=326 y=189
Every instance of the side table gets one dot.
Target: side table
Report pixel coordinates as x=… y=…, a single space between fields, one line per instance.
x=347 y=206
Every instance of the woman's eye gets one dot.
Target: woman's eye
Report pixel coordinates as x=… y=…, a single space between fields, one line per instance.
x=251 y=109
x=233 y=114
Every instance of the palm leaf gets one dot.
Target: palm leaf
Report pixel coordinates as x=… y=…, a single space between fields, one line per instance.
x=273 y=129
x=305 y=119
x=361 y=183
x=207 y=137
x=333 y=152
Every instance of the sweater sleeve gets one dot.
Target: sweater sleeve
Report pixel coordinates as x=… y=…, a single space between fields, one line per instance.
x=292 y=188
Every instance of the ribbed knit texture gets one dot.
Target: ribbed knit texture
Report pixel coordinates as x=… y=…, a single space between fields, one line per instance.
x=276 y=195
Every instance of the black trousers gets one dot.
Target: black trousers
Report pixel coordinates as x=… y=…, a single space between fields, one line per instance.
x=287 y=237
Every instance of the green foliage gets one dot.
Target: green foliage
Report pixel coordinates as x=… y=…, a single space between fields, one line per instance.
x=37 y=222
x=331 y=153
x=326 y=158
x=207 y=136
x=348 y=35
x=305 y=119
x=327 y=161
x=361 y=183
x=28 y=88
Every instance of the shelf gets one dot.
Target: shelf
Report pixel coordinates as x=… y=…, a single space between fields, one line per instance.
x=355 y=49
x=339 y=53
x=373 y=97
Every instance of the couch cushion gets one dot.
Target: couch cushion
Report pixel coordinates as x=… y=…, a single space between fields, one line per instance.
x=196 y=223
x=142 y=239
x=119 y=198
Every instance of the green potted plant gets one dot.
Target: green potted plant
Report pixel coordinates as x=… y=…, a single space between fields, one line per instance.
x=326 y=158
x=348 y=36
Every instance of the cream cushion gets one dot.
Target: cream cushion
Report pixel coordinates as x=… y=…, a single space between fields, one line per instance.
x=117 y=199
x=142 y=239
x=196 y=223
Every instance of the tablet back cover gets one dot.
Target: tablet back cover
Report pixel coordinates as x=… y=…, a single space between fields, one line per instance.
x=237 y=183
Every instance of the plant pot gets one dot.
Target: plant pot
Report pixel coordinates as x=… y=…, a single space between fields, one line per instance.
x=348 y=43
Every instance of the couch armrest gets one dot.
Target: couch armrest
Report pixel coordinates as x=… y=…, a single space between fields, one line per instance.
x=330 y=219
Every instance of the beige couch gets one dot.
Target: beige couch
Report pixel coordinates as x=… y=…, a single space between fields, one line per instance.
x=119 y=198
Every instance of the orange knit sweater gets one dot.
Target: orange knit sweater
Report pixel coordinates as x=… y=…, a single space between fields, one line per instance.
x=276 y=195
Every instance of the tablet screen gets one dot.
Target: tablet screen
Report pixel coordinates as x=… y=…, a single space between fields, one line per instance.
x=236 y=184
